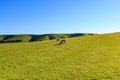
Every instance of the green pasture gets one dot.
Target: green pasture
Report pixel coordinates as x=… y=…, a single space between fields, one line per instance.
x=95 y=57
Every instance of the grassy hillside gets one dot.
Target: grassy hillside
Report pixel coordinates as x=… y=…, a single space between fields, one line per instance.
x=24 y=38
x=32 y=38
x=13 y=38
x=94 y=57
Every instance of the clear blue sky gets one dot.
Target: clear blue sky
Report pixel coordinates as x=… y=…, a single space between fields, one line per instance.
x=59 y=16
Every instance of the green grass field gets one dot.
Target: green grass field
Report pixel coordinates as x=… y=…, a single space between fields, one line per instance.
x=94 y=57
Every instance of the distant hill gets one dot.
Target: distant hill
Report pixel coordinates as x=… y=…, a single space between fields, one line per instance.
x=32 y=38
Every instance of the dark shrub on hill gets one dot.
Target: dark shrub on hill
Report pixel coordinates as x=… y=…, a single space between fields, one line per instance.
x=56 y=36
x=10 y=41
x=1 y=41
x=18 y=41
x=76 y=34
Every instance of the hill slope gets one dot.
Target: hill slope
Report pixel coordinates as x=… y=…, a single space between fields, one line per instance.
x=94 y=57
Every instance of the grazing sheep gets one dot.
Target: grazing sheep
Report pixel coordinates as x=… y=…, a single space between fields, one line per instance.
x=62 y=41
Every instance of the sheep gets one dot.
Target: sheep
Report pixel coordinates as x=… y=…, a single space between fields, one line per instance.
x=62 y=41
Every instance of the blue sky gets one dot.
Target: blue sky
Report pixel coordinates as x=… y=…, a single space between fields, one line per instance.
x=59 y=16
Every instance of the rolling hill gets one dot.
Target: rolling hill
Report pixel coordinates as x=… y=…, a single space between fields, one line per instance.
x=33 y=38
x=94 y=57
